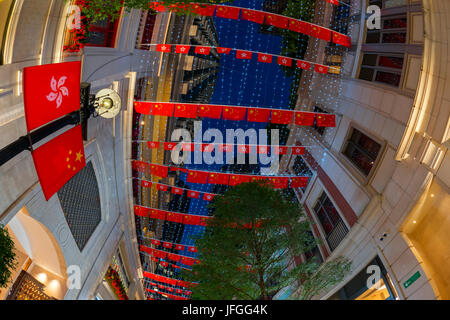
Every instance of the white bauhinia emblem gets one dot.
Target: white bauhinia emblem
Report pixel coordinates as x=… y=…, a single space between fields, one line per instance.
x=284 y=61
x=183 y=49
x=58 y=91
x=163 y=48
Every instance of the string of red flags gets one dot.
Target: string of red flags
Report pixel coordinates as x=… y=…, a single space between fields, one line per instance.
x=171 y=245
x=230 y=179
x=235 y=113
x=168 y=295
x=268 y=18
x=170 y=216
x=247 y=55
x=210 y=147
x=188 y=261
x=171 y=281
x=166 y=264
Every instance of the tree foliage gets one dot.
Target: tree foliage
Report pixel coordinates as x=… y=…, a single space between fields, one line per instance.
x=247 y=251
x=7 y=257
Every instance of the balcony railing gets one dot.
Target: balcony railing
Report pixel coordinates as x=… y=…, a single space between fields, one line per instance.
x=337 y=235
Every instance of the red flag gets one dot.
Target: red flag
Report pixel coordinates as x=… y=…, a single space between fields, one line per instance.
x=303 y=65
x=258 y=115
x=266 y=58
x=210 y=111
x=182 y=49
x=342 y=39
x=177 y=190
x=320 y=33
x=203 y=10
x=139 y=166
x=179 y=247
x=193 y=194
x=253 y=16
x=218 y=178
x=143 y=107
x=335 y=2
x=283 y=61
x=282 y=116
x=58 y=160
x=158 y=170
x=233 y=113
x=197 y=176
x=156 y=242
x=321 y=68
x=186 y=111
x=277 y=20
x=173 y=257
x=202 y=50
x=162 y=187
x=163 y=47
x=187 y=261
x=280 y=150
x=298 y=150
x=304 y=118
x=326 y=120
x=146 y=249
x=157 y=214
x=263 y=149
x=167 y=245
x=226 y=147
x=300 y=26
x=141 y=211
x=207 y=147
x=243 y=149
x=223 y=50
x=146 y=184
x=159 y=254
x=236 y=179
x=299 y=182
x=153 y=144
x=208 y=196
x=169 y=146
x=191 y=219
x=241 y=54
x=192 y=249
x=227 y=12
x=163 y=109
x=279 y=182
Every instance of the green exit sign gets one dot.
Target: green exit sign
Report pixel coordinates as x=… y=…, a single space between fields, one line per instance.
x=411 y=280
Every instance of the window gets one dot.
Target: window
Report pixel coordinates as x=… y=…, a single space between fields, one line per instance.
x=393 y=30
x=385 y=4
x=102 y=33
x=314 y=253
x=381 y=67
x=332 y=223
x=301 y=169
x=362 y=151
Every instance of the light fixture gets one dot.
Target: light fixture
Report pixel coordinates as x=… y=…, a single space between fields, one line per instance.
x=414 y=221
x=108 y=103
x=432 y=195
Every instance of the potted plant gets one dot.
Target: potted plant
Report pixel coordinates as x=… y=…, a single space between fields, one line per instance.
x=7 y=257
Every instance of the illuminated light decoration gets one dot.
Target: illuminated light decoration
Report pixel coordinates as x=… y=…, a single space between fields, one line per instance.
x=281 y=116
x=202 y=50
x=321 y=68
x=326 y=120
x=276 y=20
x=186 y=111
x=162 y=109
x=283 y=61
x=320 y=33
x=300 y=26
x=243 y=54
x=164 y=48
x=184 y=49
x=253 y=16
x=223 y=50
x=265 y=58
x=227 y=12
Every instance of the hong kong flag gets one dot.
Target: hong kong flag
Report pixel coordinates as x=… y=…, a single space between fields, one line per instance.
x=202 y=50
x=265 y=58
x=298 y=150
x=177 y=190
x=163 y=109
x=321 y=68
x=158 y=170
x=207 y=147
x=193 y=194
x=226 y=148
x=320 y=33
x=258 y=115
x=191 y=219
x=182 y=49
x=143 y=107
x=282 y=116
x=50 y=92
x=300 y=26
x=169 y=146
x=243 y=149
x=227 y=12
x=163 y=47
x=299 y=182
x=304 y=118
x=179 y=247
x=146 y=184
x=157 y=214
x=210 y=111
x=277 y=21
x=236 y=179
x=234 y=113
x=58 y=160
x=263 y=149
x=167 y=245
x=223 y=50
x=326 y=120
x=161 y=187
x=335 y=2
x=342 y=39
x=283 y=61
x=186 y=111
x=139 y=166
x=203 y=10
x=192 y=249
x=153 y=144
x=197 y=176
x=156 y=242
x=253 y=16
x=141 y=211
x=303 y=65
x=280 y=150
x=218 y=178
x=185 y=146
x=208 y=196
x=241 y=54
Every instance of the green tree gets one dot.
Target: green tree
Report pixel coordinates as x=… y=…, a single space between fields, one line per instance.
x=7 y=257
x=247 y=251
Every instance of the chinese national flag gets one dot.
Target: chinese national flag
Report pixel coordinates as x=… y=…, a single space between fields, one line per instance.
x=282 y=116
x=300 y=26
x=233 y=113
x=320 y=33
x=299 y=182
x=280 y=150
x=253 y=16
x=342 y=39
x=50 y=92
x=139 y=166
x=193 y=194
x=191 y=219
x=335 y=2
x=177 y=190
x=279 y=182
x=298 y=150
x=326 y=120
x=223 y=50
x=304 y=118
x=174 y=217
x=143 y=107
x=197 y=176
x=163 y=109
x=277 y=21
x=209 y=111
x=242 y=54
x=173 y=257
x=159 y=171
x=187 y=261
x=141 y=211
x=303 y=65
x=157 y=214
x=58 y=160
x=146 y=184
x=169 y=146
x=236 y=179
x=283 y=61
x=162 y=187
x=153 y=144
x=208 y=196
x=159 y=254
x=182 y=49
x=186 y=111
x=179 y=247
x=163 y=47
x=204 y=221
x=202 y=50
x=321 y=68
x=258 y=115
x=218 y=178
x=265 y=58
x=228 y=12
x=203 y=10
